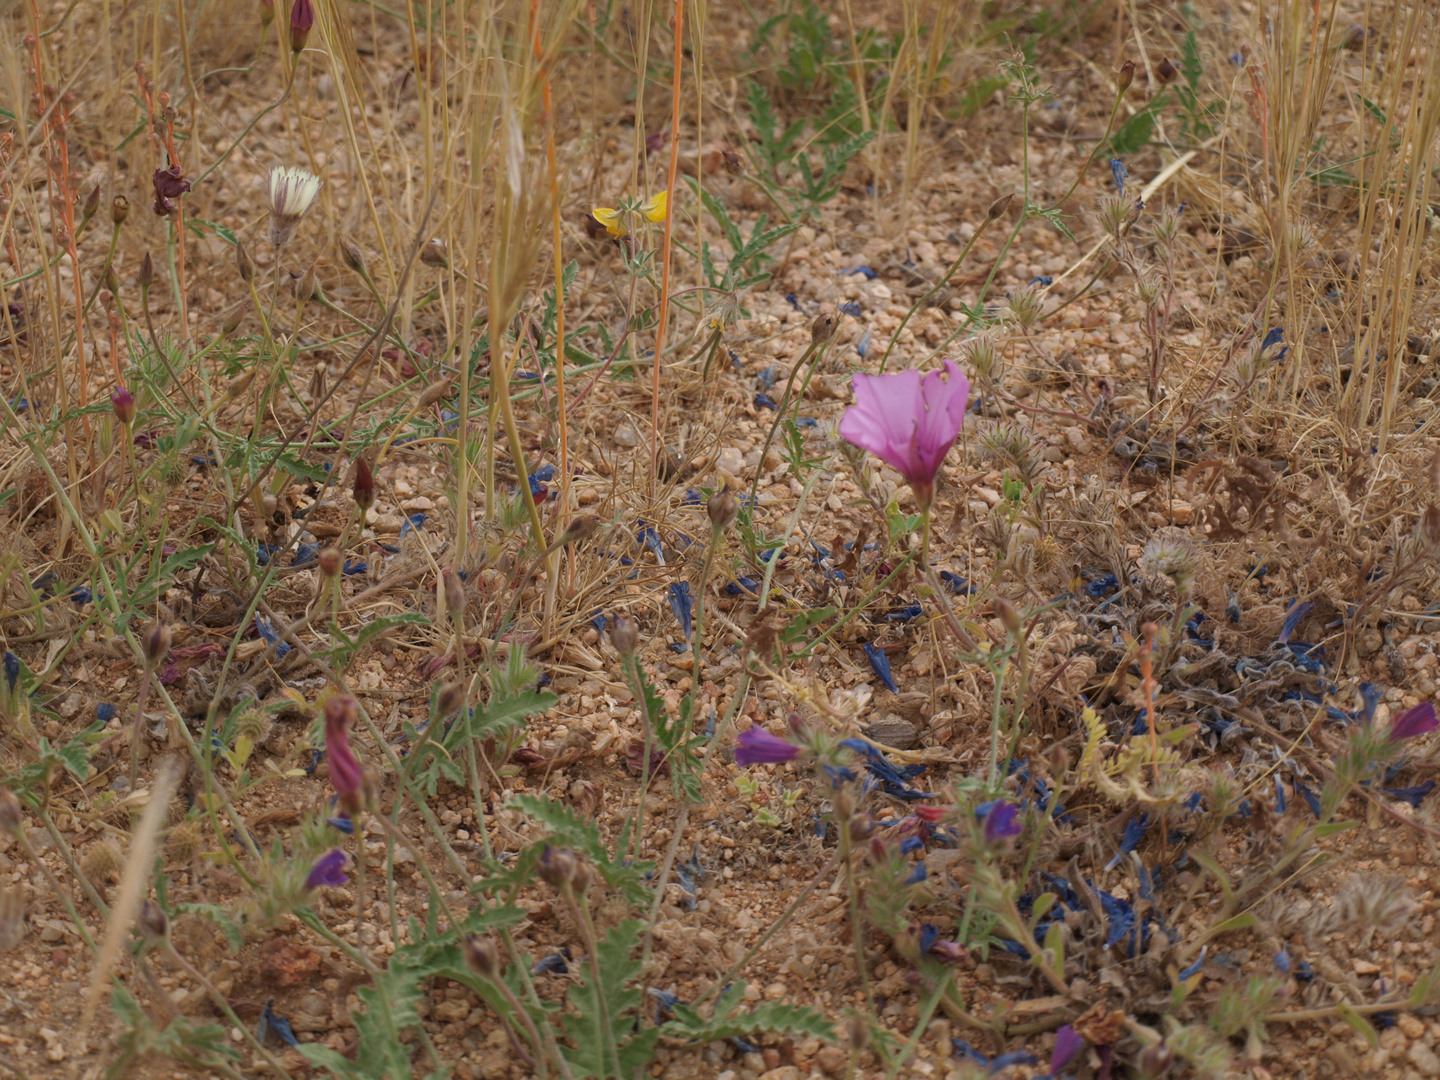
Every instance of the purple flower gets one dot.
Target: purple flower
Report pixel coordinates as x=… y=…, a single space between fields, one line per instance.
x=1067 y=1044
x=1002 y=820
x=170 y=184
x=329 y=870
x=123 y=403
x=1416 y=721
x=302 y=18
x=909 y=422
x=758 y=747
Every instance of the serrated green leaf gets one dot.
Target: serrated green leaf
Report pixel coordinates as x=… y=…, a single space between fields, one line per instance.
x=570 y=830
x=771 y=1016
x=1190 y=61
x=611 y=1000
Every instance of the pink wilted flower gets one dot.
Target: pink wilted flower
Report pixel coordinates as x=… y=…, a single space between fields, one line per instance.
x=757 y=746
x=345 y=774
x=1414 y=721
x=328 y=870
x=909 y=422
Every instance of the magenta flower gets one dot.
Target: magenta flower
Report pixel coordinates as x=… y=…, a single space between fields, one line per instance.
x=1416 y=721
x=909 y=422
x=345 y=774
x=123 y=403
x=758 y=747
x=1068 y=1043
x=328 y=870
x=1002 y=820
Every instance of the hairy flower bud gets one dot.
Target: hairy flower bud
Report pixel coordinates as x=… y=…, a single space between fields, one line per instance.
x=147 y=271
x=454 y=594
x=353 y=257
x=999 y=206
x=307 y=286
x=581 y=528
x=823 y=328
x=235 y=318
x=451 y=699
x=625 y=635
x=119 y=210
x=722 y=508
x=1009 y=617
x=92 y=204
x=1125 y=76
x=153 y=922
x=557 y=867
x=433 y=393
x=123 y=402
x=11 y=812
x=1166 y=71
x=331 y=562
x=243 y=263
x=482 y=957
x=155 y=642
x=862 y=826
x=363 y=489
x=435 y=254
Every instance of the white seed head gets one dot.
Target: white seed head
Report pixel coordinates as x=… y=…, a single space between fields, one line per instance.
x=293 y=192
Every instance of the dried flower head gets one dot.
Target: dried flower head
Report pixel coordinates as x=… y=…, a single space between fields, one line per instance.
x=185 y=841
x=1165 y=72
x=293 y=192
x=331 y=562
x=243 y=264
x=1116 y=212
x=1025 y=307
x=102 y=861
x=981 y=355
x=254 y=724
x=155 y=642
x=625 y=635
x=170 y=184
x=146 y=274
x=454 y=589
x=119 y=210
x=435 y=254
x=822 y=329
x=722 y=508
x=558 y=867
x=353 y=257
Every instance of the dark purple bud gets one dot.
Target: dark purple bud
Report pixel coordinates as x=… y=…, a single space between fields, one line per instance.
x=155 y=642
x=302 y=18
x=1002 y=820
x=154 y=923
x=364 y=486
x=482 y=957
x=123 y=403
x=557 y=867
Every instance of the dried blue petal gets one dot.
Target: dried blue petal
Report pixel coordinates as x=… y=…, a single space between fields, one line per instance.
x=1292 y=619
x=545 y=473
x=1119 y=173
x=1369 y=699
x=793 y=301
x=1043 y=280
x=956 y=584
x=304 y=555
x=554 y=962
x=1134 y=832
x=1411 y=795
x=1282 y=962
x=411 y=523
x=1015 y=1057
x=870 y=275
x=681 y=604
x=742 y=584
x=911 y=844
x=1102 y=586
x=651 y=539
x=880 y=664
x=12 y=669
x=766 y=378
x=1275 y=335
x=1309 y=797
x=745 y=1046
x=851 y=308
x=1280 y=803
x=267 y=632
x=597 y=620
x=678 y=646
x=806 y=422
x=692 y=498
x=928 y=936
x=965 y=1050
x=264 y=553
x=1304 y=972
x=664 y=1003
x=839 y=774
x=104 y=712
x=863 y=345
x=905 y=614
x=355 y=566
x=762 y=401
x=917 y=875
x=271 y=1021
x=1197 y=965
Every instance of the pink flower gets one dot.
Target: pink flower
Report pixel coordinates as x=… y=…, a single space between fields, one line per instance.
x=302 y=18
x=1068 y=1043
x=909 y=422
x=345 y=774
x=1416 y=721
x=757 y=746
x=123 y=403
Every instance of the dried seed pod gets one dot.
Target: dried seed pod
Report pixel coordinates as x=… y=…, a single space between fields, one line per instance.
x=482 y=957
x=155 y=642
x=147 y=272
x=243 y=263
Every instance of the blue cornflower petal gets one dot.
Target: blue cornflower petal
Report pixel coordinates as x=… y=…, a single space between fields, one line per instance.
x=1119 y=173
x=412 y=522
x=1134 y=831
x=762 y=401
x=104 y=712
x=1411 y=795
x=270 y=1021
x=1197 y=965
x=681 y=604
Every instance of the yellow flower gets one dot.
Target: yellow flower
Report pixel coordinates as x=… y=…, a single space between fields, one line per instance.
x=613 y=220
x=652 y=209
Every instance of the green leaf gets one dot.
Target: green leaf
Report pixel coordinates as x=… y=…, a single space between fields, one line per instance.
x=234 y=936
x=350 y=647
x=612 y=998
x=1358 y=1024
x=1190 y=66
x=303 y=469
x=1134 y=134
x=772 y=1016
